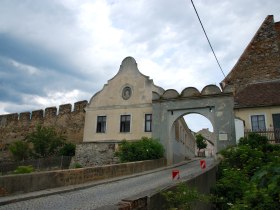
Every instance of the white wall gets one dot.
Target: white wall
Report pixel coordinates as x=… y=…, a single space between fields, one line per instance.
x=239 y=129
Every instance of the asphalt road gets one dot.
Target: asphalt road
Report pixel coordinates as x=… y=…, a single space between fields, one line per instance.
x=109 y=193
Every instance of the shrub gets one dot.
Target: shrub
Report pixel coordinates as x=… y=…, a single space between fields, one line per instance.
x=249 y=176
x=68 y=149
x=20 y=150
x=144 y=149
x=76 y=165
x=254 y=140
x=23 y=170
x=183 y=197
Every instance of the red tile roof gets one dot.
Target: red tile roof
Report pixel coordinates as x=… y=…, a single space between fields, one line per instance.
x=258 y=95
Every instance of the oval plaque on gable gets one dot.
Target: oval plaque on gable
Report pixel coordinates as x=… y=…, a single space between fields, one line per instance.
x=126 y=93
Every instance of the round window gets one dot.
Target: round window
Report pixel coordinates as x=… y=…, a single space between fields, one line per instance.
x=126 y=93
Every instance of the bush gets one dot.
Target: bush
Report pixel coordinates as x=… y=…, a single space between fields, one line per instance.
x=249 y=176
x=24 y=170
x=68 y=149
x=145 y=149
x=76 y=165
x=254 y=140
x=183 y=197
x=20 y=150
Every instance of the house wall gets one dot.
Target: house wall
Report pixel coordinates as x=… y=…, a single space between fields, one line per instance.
x=183 y=142
x=260 y=60
x=110 y=102
x=246 y=113
x=113 y=124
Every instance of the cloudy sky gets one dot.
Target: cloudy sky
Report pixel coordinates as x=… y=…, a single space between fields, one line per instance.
x=62 y=51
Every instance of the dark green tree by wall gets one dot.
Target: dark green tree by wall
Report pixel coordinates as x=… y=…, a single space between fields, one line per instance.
x=200 y=142
x=45 y=141
x=20 y=150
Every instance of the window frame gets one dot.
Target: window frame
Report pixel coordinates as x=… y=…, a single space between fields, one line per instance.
x=256 y=124
x=148 y=121
x=126 y=123
x=101 y=124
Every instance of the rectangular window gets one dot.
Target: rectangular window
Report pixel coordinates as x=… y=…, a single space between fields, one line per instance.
x=258 y=122
x=125 y=124
x=148 y=123
x=101 y=124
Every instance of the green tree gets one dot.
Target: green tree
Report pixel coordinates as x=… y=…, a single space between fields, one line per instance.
x=68 y=149
x=46 y=141
x=20 y=150
x=200 y=142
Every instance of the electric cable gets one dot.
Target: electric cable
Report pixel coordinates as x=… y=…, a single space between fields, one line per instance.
x=208 y=39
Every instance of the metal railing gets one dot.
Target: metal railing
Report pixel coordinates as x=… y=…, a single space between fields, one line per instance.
x=273 y=135
x=41 y=164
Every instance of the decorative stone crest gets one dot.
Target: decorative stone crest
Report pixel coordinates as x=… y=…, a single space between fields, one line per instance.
x=126 y=93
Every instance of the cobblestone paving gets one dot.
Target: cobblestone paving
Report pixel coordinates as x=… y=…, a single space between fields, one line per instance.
x=108 y=193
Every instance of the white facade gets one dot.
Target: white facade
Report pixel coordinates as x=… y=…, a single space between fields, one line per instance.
x=124 y=103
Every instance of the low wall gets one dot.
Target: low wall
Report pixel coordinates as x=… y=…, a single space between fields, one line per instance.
x=153 y=200
x=23 y=183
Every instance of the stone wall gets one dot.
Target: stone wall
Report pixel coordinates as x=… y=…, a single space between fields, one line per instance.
x=23 y=183
x=96 y=154
x=70 y=123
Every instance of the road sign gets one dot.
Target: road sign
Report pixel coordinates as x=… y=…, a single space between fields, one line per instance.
x=202 y=164
x=175 y=174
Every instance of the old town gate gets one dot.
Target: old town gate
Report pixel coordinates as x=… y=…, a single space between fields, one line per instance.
x=211 y=102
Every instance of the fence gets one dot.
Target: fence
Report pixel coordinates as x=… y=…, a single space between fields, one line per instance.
x=273 y=135
x=61 y=162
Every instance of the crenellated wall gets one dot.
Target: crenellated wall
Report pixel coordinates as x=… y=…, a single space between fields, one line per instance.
x=15 y=126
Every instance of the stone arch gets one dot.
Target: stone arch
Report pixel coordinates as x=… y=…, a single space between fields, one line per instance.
x=180 y=152
x=218 y=108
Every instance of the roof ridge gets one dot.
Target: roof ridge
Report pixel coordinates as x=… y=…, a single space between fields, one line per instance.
x=269 y=18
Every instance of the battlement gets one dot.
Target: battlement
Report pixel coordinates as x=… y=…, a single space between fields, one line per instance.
x=41 y=115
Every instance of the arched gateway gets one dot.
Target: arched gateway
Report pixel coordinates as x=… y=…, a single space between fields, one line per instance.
x=215 y=105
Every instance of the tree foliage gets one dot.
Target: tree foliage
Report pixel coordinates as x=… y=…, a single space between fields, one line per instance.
x=68 y=149
x=46 y=141
x=249 y=175
x=20 y=150
x=144 y=149
x=200 y=142
x=183 y=197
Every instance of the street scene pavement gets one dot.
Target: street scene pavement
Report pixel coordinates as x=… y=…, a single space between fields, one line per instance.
x=111 y=192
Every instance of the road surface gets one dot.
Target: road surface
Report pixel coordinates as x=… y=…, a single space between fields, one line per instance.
x=109 y=193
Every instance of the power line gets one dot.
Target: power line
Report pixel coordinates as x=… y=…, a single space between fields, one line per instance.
x=208 y=39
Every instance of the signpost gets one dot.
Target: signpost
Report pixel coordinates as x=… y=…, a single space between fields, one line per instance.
x=202 y=164
x=175 y=174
